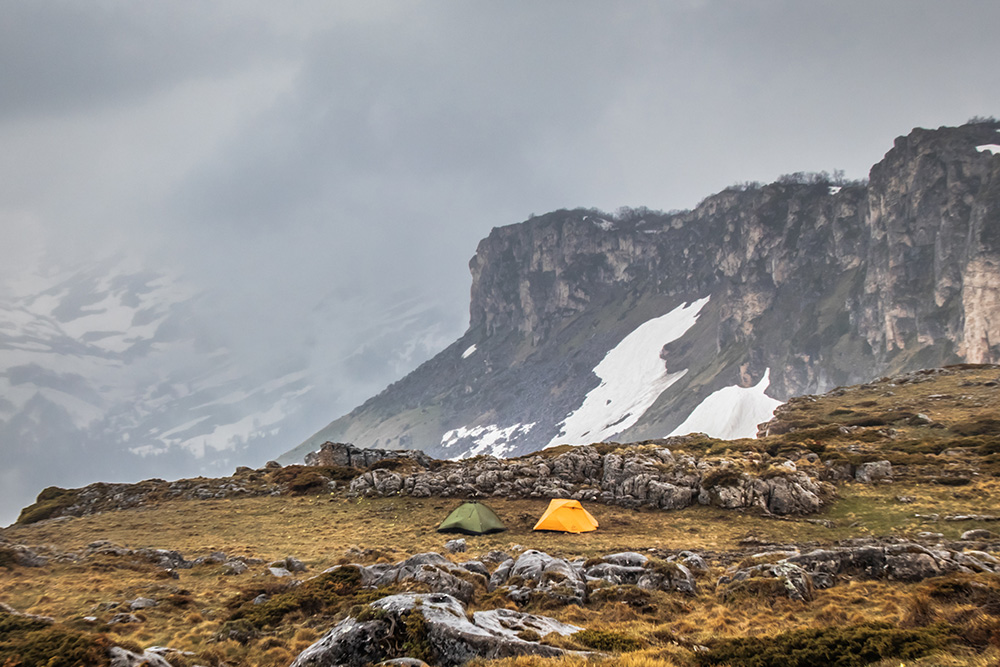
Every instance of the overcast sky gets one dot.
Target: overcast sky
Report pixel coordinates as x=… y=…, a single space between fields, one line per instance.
x=283 y=155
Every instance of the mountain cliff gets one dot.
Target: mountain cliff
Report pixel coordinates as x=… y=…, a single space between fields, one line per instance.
x=587 y=327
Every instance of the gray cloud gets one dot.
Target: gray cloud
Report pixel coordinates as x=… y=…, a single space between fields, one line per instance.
x=300 y=166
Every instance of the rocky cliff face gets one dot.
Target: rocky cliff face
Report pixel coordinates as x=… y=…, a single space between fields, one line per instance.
x=586 y=326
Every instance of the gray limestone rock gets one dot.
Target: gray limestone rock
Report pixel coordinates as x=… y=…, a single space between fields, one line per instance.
x=511 y=623
x=873 y=471
x=455 y=546
x=537 y=573
x=978 y=534
x=795 y=581
x=141 y=603
x=446 y=635
x=668 y=576
x=123 y=658
x=430 y=569
x=235 y=567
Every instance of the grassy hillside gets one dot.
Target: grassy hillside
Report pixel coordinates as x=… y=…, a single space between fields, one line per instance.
x=940 y=431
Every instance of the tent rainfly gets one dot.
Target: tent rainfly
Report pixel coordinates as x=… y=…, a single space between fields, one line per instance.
x=567 y=516
x=472 y=518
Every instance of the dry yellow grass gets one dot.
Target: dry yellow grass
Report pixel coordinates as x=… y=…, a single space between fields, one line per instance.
x=320 y=530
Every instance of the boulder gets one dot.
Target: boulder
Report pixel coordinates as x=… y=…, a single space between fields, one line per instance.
x=537 y=573
x=24 y=556
x=123 y=658
x=667 y=576
x=495 y=556
x=616 y=575
x=432 y=627
x=514 y=623
x=796 y=583
x=978 y=534
x=627 y=558
x=476 y=567
x=873 y=471
x=455 y=546
x=289 y=563
x=433 y=570
x=692 y=560
x=235 y=567
x=141 y=603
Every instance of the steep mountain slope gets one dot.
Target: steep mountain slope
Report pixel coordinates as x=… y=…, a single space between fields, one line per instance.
x=588 y=327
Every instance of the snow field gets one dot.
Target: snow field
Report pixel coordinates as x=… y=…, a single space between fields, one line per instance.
x=731 y=412
x=632 y=377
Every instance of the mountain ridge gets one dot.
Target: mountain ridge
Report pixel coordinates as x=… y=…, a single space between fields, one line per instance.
x=810 y=281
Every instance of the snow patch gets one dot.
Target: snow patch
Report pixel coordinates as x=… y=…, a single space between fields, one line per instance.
x=992 y=148
x=731 y=412
x=492 y=438
x=606 y=225
x=469 y=352
x=632 y=377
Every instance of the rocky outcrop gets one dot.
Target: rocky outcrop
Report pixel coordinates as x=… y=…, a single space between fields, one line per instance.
x=640 y=476
x=432 y=627
x=431 y=570
x=535 y=573
x=799 y=574
x=635 y=569
x=346 y=455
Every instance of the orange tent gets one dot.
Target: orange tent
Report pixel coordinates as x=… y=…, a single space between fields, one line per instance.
x=567 y=516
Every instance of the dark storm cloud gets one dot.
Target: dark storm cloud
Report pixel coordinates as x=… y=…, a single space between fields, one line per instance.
x=63 y=57
x=316 y=169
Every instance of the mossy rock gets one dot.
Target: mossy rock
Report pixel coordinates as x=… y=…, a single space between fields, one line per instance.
x=50 y=502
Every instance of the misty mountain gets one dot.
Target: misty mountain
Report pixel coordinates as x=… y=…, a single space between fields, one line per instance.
x=115 y=374
x=587 y=327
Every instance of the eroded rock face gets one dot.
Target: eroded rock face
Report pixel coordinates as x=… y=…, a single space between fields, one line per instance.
x=641 y=476
x=433 y=625
x=346 y=455
x=872 y=278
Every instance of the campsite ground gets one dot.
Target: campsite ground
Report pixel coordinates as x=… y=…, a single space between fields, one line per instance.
x=323 y=531
x=953 y=620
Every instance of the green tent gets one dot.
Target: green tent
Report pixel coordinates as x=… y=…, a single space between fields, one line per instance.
x=472 y=518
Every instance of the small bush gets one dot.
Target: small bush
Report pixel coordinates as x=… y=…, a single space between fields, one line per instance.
x=607 y=640
x=852 y=646
x=308 y=479
x=633 y=596
x=755 y=588
x=416 y=644
x=981 y=426
x=326 y=593
x=50 y=502
x=28 y=642
x=721 y=477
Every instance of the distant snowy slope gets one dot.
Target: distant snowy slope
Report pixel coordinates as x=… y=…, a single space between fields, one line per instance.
x=114 y=373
